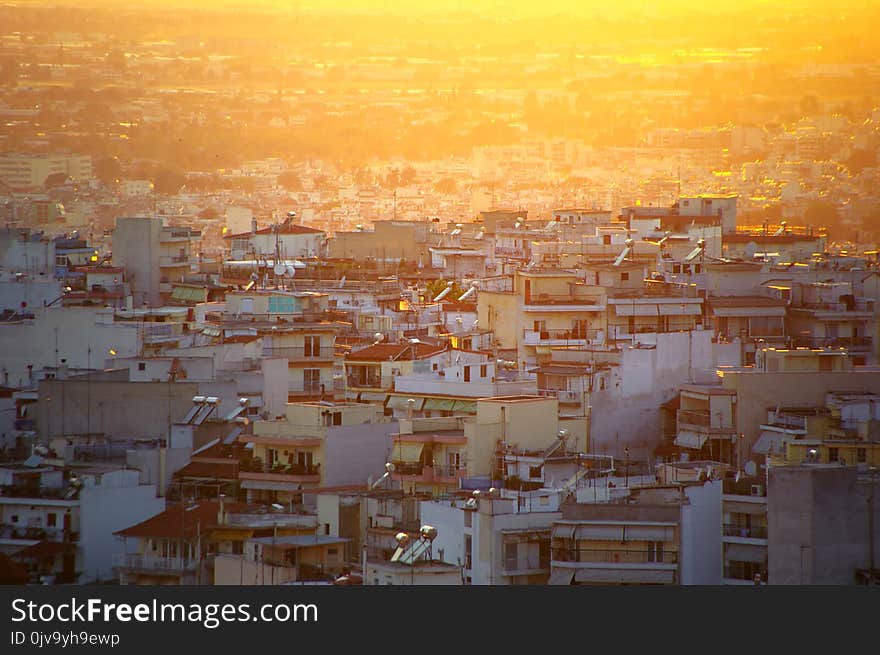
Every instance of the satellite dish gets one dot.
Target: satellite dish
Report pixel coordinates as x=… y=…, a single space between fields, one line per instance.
x=751 y=468
x=289 y=271
x=279 y=269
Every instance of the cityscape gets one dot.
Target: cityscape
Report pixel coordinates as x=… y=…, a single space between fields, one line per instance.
x=340 y=294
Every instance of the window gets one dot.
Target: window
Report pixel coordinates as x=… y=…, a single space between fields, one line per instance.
x=535 y=471
x=833 y=454
x=312 y=347
x=337 y=418
x=606 y=239
x=311 y=380
x=825 y=363
x=624 y=277
x=861 y=455
x=482 y=370
x=14 y=518
x=467 y=373
x=327 y=532
x=142 y=366
x=655 y=551
x=468 y=519
x=467 y=550
x=511 y=556
x=51 y=519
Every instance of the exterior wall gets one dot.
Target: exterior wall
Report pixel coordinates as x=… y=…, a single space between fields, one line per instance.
x=26 y=256
x=105 y=510
x=817 y=525
x=496 y=312
x=136 y=248
x=758 y=390
x=118 y=409
x=700 y=548
x=357 y=452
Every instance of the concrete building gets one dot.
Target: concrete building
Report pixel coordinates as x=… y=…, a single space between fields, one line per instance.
x=664 y=534
x=154 y=256
x=28 y=171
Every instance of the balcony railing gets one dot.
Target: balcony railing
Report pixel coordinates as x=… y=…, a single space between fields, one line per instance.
x=283 y=469
x=832 y=342
x=429 y=472
x=564 y=396
x=607 y=556
x=694 y=418
x=747 y=532
x=16 y=531
x=513 y=564
x=534 y=337
x=299 y=352
x=176 y=260
x=151 y=563
x=560 y=299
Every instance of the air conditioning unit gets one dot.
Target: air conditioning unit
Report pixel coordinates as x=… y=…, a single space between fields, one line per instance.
x=757 y=490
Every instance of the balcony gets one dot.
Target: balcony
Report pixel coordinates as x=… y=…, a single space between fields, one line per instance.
x=545 y=302
x=177 y=261
x=149 y=563
x=850 y=343
x=300 y=353
x=562 y=395
x=34 y=533
x=609 y=556
x=745 y=532
x=702 y=421
x=528 y=566
x=283 y=473
x=418 y=472
x=556 y=337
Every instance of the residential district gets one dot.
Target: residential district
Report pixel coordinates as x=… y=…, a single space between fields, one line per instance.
x=438 y=304
x=659 y=395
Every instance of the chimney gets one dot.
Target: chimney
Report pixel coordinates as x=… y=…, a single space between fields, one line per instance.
x=253 y=225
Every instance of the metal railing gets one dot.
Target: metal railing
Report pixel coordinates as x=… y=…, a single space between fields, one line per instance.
x=560 y=299
x=150 y=562
x=607 y=556
x=563 y=395
x=748 y=532
x=691 y=417
x=300 y=352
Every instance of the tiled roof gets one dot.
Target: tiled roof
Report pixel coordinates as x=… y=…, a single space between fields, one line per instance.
x=384 y=351
x=175 y=523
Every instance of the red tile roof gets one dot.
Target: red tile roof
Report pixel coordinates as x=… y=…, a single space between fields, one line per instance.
x=174 y=523
x=384 y=351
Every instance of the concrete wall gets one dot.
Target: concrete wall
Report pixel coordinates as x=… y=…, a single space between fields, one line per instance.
x=105 y=510
x=758 y=390
x=73 y=329
x=118 y=409
x=817 y=525
x=700 y=548
x=354 y=453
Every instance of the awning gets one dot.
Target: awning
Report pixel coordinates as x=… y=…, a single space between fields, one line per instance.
x=770 y=442
x=746 y=553
x=407 y=452
x=439 y=404
x=465 y=406
x=680 y=309
x=688 y=439
x=401 y=402
x=563 y=531
x=190 y=294
x=371 y=396
x=561 y=577
x=648 y=533
x=600 y=532
x=636 y=310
